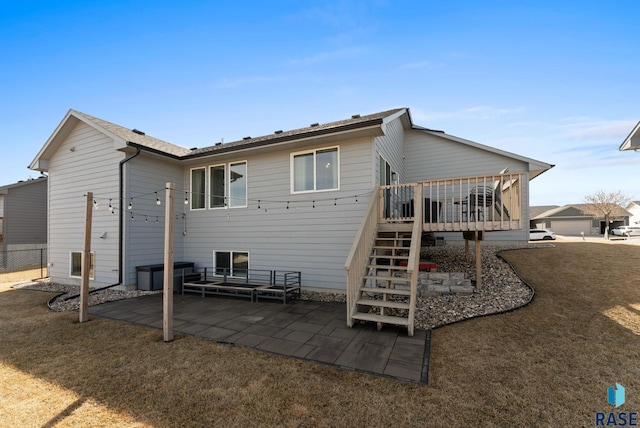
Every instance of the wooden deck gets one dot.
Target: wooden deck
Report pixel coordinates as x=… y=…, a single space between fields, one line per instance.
x=400 y=213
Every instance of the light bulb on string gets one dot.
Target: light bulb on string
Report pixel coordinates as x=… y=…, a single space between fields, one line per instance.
x=110 y=207
x=157 y=199
x=130 y=204
x=186 y=198
x=95 y=204
x=146 y=220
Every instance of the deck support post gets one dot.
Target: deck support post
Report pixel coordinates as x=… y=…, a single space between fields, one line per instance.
x=477 y=236
x=478 y=263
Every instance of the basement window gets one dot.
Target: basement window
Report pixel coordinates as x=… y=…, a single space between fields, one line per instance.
x=75 y=265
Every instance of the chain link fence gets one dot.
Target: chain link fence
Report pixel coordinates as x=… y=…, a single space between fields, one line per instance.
x=18 y=260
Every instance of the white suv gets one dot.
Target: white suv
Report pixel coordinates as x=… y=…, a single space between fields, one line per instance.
x=626 y=231
x=541 y=234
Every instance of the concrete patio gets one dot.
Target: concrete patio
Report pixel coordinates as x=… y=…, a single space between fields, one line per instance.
x=313 y=331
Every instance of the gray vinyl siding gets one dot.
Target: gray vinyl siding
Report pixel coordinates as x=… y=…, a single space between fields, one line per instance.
x=391 y=147
x=92 y=166
x=429 y=157
x=315 y=241
x=25 y=215
x=144 y=242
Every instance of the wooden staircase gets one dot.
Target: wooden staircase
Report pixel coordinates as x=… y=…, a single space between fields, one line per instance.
x=374 y=293
x=383 y=297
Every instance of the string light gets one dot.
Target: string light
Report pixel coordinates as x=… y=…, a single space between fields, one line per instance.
x=156 y=219
x=186 y=198
x=146 y=220
x=130 y=204
x=110 y=208
x=335 y=202
x=95 y=204
x=258 y=203
x=157 y=199
x=287 y=204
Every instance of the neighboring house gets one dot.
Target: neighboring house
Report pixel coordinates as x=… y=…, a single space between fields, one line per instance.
x=632 y=142
x=572 y=221
x=634 y=210
x=23 y=215
x=292 y=200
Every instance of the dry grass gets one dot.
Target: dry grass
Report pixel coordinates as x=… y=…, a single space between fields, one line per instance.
x=548 y=364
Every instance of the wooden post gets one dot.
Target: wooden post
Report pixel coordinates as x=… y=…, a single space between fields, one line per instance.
x=167 y=301
x=478 y=263
x=86 y=260
x=466 y=248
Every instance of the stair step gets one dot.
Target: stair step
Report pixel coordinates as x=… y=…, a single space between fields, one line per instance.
x=383 y=303
x=384 y=256
x=389 y=267
x=383 y=290
x=381 y=318
x=393 y=238
x=387 y=278
x=389 y=247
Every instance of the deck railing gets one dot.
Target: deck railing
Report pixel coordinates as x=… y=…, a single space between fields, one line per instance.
x=483 y=203
x=358 y=257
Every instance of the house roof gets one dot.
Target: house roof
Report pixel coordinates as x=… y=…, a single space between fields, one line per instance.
x=618 y=212
x=535 y=211
x=632 y=142
x=5 y=189
x=367 y=125
x=122 y=138
x=315 y=130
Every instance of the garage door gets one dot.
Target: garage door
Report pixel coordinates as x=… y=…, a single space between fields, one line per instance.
x=572 y=227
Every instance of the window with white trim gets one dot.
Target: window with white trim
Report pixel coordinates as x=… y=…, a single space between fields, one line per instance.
x=315 y=170
x=228 y=185
x=75 y=265
x=198 y=191
x=231 y=263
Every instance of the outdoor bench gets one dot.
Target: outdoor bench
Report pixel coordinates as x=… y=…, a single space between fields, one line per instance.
x=274 y=285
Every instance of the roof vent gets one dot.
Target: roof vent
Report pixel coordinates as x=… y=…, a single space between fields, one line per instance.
x=355 y=116
x=246 y=138
x=279 y=131
x=193 y=148
x=219 y=143
x=138 y=131
x=315 y=124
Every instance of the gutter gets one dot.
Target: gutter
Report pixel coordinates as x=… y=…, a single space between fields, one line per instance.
x=121 y=220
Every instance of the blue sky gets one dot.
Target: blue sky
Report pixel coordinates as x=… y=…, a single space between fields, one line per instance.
x=554 y=81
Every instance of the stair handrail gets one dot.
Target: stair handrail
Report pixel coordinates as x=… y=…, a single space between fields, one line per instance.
x=358 y=257
x=413 y=264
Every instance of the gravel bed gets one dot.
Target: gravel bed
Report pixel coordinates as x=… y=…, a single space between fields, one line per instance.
x=502 y=290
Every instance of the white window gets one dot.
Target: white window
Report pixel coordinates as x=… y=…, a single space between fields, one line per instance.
x=198 y=181
x=238 y=184
x=217 y=197
x=231 y=263
x=75 y=265
x=228 y=185
x=315 y=170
